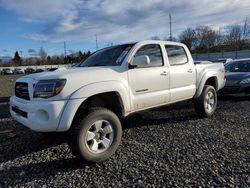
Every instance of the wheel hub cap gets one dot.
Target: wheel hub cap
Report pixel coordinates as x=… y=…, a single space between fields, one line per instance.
x=100 y=136
x=209 y=101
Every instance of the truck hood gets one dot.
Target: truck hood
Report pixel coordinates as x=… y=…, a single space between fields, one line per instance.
x=79 y=77
x=79 y=72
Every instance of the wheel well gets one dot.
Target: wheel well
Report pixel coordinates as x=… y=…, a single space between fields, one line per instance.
x=109 y=100
x=212 y=82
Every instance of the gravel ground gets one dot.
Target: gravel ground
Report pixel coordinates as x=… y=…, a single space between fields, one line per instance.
x=169 y=146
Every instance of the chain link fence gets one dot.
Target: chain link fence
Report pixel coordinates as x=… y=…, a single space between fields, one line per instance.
x=221 y=55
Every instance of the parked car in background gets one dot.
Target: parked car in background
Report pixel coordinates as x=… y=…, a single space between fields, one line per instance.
x=51 y=69
x=7 y=71
x=224 y=60
x=237 y=78
x=29 y=71
x=18 y=71
x=39 y=70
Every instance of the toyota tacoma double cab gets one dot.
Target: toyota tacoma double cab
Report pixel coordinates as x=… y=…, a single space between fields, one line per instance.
x=88 y=101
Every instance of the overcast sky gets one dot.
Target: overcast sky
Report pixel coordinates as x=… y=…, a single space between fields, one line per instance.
x=26 y=25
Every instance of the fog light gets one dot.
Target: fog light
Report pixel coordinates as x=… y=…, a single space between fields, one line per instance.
x=42 y=115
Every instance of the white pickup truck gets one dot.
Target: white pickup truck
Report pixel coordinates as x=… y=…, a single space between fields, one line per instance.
x=89 y=100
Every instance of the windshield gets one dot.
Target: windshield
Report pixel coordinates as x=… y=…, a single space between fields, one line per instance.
x=111 y=56
x=238 y=66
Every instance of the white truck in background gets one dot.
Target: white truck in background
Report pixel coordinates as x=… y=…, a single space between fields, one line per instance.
x=89 y=100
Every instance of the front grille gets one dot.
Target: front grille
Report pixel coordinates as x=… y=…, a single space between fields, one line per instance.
x=22 y=90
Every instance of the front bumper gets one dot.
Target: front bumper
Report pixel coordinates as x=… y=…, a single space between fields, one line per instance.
x=42 y=116
x=235 y=91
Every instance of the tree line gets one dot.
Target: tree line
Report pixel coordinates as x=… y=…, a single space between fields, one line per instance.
x=206 y=39
x=43 y=58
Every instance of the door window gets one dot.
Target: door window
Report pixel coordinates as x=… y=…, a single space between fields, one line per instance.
x=153 y=51
x=176 y=55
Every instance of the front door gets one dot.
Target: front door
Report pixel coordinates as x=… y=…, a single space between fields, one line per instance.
x=149 y=84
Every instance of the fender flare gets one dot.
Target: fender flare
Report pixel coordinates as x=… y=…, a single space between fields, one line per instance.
x=83 y=93
x=205 y=77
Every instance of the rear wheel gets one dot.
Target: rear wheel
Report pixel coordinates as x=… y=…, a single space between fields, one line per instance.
x=97 y=136
x=206 y=103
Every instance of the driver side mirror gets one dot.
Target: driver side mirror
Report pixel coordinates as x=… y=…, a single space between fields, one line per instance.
x=140 y=61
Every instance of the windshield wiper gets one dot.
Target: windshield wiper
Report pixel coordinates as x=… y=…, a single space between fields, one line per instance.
x=97 y=65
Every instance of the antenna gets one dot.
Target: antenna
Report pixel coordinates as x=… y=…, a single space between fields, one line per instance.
x=170 y=26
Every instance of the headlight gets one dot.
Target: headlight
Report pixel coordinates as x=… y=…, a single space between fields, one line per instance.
x=48 y=88
x=245 y=81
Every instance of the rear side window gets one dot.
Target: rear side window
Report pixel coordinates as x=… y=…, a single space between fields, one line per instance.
x=176 y=55
x=153 y=51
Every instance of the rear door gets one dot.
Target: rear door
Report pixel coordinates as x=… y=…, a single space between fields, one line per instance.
x=182 y=73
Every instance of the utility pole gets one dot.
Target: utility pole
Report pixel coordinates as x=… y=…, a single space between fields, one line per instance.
x=245 y=28
x=96 y=42
x=170 y=26
x=65 y=50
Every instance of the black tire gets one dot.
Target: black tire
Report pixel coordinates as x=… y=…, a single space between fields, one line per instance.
x=78 y=143
x=201 y=103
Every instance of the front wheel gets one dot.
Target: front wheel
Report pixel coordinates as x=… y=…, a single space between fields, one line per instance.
x=97 y=136
x=206 y=103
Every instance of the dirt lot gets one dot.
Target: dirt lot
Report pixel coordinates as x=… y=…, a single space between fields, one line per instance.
x=169 y=146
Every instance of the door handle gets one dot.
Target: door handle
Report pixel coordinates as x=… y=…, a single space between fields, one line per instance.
x=164 y=73
x=190 y=71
